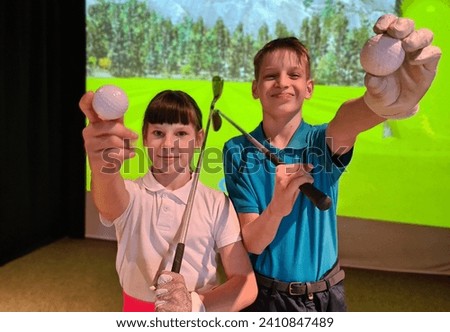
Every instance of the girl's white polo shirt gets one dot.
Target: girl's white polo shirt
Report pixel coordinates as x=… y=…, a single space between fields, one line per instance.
x=148 y=232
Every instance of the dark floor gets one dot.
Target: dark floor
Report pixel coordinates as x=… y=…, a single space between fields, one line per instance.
x=76 y=275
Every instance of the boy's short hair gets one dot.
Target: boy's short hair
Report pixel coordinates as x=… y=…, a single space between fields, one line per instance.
x=172 y=106
x=285 y=43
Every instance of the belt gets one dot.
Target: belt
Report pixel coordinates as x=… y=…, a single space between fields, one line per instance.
x=335 y=276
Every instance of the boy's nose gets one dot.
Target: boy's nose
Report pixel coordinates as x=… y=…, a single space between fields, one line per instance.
x=282 y=80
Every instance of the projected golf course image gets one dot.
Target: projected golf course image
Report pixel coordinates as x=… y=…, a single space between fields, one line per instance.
x=400 y=169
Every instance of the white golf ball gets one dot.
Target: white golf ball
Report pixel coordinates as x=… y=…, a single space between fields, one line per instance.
x=110 y=102
x=382 y=55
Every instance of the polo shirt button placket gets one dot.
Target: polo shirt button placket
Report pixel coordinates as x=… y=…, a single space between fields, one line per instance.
x=164 y=204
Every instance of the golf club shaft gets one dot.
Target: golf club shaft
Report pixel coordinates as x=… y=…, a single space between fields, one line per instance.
x=317 y=197
x=185 y=220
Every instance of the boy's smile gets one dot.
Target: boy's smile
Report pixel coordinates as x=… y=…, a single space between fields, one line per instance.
x=282 y=85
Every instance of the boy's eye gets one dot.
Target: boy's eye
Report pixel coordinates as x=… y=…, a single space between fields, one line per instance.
x=295 y=75
x=270 y=77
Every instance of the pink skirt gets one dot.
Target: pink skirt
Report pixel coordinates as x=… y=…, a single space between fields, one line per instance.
x=132 y=304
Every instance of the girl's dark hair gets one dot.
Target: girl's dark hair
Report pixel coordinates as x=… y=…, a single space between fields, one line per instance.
x=172 y=106
x=286 y=43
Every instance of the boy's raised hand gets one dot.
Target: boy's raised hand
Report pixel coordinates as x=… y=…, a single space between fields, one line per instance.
x=397 y=95
x=106 y=142
x=288 y=179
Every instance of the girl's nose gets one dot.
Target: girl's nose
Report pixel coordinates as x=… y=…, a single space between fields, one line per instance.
x=168 y=141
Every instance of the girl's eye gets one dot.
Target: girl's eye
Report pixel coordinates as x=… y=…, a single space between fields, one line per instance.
x=181 y=133
x=158 y=133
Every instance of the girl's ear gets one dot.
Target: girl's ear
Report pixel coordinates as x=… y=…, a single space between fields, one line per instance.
x=199 y=138
x=144 y=138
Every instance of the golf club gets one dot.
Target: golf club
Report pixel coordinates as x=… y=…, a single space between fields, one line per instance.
x=318 y=198
x=217 y=85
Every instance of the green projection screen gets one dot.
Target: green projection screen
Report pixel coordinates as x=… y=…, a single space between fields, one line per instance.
x=400 y=169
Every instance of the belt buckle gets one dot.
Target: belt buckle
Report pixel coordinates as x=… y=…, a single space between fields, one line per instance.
x=291 y=291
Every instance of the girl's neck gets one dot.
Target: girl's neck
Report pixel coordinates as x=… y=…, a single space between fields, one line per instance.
x=172 y=181
x=279 y=131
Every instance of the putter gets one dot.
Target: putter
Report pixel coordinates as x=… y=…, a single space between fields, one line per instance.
x=318 y=198
x=217 y=85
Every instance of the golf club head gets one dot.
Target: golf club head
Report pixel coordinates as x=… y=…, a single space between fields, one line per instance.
x=217 y=85
x=216 y=120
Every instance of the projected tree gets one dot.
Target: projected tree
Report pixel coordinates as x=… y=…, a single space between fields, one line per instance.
x=129 y=39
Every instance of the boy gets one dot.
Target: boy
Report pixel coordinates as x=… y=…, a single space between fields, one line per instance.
x=293 y=245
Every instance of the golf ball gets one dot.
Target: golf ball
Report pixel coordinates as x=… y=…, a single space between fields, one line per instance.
x=382 y=55
x=110 y=102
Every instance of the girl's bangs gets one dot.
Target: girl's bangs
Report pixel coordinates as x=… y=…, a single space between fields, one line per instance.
x=173 y=107
x=171 y=114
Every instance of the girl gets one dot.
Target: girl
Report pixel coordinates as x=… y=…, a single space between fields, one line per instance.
x=147 y=213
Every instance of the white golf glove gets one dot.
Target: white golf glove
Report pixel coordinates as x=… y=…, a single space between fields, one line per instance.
x=173 y=296
x=396 y=96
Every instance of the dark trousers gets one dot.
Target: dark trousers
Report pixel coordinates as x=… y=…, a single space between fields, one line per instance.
x=271 y=300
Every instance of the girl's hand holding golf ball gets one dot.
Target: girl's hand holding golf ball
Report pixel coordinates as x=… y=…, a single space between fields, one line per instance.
x=106 y=138
x=400 y=63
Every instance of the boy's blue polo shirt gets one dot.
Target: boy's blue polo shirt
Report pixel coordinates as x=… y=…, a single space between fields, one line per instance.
x=305 y=246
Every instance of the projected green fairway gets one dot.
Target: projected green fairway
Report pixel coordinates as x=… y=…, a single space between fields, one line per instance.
x=392 y=178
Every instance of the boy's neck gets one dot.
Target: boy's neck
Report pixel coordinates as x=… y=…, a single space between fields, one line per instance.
x=279 y=131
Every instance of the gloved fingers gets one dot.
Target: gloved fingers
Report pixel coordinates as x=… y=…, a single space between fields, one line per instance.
x=171 y=293
x=396 y=27
x=159 y=304
x=169 y=283
x=381 y=90
x=375 y=84
x=383 y=23
x=164 y=279
x=417 y=40
x=169 y=288
x=401 y=28
x=169 y=277
x=428 y=57
x=161 y=291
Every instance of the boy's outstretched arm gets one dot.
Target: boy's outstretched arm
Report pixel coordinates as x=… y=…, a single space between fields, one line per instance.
x=394 y=96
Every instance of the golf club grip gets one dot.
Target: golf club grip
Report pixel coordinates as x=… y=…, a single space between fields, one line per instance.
x=176 y=266
x=319 y=199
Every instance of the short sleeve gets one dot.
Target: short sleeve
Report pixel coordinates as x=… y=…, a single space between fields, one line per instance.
x=240 y=192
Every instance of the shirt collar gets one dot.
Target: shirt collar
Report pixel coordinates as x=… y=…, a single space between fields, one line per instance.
x=298 y=140
x=151 y=184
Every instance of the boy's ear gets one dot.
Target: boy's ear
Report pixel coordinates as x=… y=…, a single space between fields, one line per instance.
x=309 y=88
x=254 y=90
